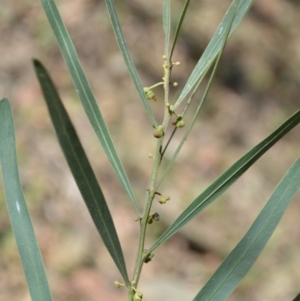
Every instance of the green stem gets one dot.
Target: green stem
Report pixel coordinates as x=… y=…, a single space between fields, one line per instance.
x=130 y=294
x=150 y=197
x=169 y=140
x=193 y=120
x=156 y=85
x=151 y=191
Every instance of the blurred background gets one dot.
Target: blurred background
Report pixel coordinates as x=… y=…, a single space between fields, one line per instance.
x=256 y=88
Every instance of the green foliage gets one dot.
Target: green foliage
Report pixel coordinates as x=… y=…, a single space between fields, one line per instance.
x=227 y=179
x=239 y=261
x=86 y=94
x=20 y=220
x=238 y=8
x=127 y=58
x=81 y=169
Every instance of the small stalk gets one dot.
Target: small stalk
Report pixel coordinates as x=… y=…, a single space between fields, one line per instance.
x=130 y=294
x=154 y=173
x=149 y=196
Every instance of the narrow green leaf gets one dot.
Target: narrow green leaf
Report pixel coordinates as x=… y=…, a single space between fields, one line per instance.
x=179 y=25
x=167 y=24
x=128 y=59
x=86 y=94
x=227 y=179
x=81 y=169
x=214 y=46
x=203 y=98
x=239 y=261
x=18 y=213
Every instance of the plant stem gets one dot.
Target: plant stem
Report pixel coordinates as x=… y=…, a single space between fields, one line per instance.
x=130 y=294
x=149 y=196
x=151 y=191
x=156 y=85
x=203 y=98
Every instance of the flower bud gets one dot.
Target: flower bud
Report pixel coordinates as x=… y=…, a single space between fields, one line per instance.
x=150 y=94
x=156 y=217
x=179 y=123
x=150 y=219
x=153 y=217
x=158 y=132
x=118 y=284
x=149 y=257
x=138 y=296
x=163 y=199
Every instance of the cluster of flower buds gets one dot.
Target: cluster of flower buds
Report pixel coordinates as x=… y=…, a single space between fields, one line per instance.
x=153 y=217
x=179 y=122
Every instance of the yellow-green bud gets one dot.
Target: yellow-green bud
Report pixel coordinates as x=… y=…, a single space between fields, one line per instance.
x=180 y=123
x=170 y=108
x=150 y=219
x=150 y=94
x=163 y=199
x=118 y=284
x=153 y=217
x=158 y=132
x=138 y=296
